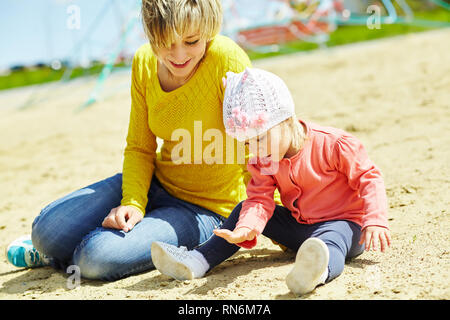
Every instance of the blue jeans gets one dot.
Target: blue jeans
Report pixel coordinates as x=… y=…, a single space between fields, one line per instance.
x=69 y=230
x=340 y=236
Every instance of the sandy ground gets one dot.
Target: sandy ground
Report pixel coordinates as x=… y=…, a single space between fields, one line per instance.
x=392 y=94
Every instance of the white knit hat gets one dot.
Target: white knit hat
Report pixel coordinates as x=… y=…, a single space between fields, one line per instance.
x=255 y=101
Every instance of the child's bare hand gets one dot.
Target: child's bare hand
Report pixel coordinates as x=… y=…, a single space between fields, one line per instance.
x=122 y=217
x=375 y=237
x=237 y=235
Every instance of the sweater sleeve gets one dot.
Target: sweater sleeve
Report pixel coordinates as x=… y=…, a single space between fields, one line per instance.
x=258 y=208
x=140 y=150
x=234 y=59
x=351 y=159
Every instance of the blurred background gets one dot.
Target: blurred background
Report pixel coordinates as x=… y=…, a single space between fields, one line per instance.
x=378 y=69
x=60 y=40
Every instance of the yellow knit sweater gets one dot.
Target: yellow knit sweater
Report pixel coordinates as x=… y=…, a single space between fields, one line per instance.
x=156 y=113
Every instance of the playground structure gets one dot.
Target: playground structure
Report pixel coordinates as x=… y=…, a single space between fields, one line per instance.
x=273 y=23
x=283 y=21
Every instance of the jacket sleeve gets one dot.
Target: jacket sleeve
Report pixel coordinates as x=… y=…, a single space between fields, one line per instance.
x=351 y=159
x=259 y=206
x=234 y=59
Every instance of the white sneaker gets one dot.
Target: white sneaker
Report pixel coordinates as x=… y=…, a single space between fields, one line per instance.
x=178 y=262
x=310 y=268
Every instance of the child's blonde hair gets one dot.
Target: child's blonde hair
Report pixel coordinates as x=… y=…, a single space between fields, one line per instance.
x=298 y=134
x=166 y=20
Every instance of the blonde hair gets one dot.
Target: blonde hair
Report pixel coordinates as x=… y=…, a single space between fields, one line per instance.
x=166 y=20
x=297 y=132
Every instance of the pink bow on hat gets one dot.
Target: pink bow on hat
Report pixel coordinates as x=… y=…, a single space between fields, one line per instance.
x=240 y=120
x=259 y=121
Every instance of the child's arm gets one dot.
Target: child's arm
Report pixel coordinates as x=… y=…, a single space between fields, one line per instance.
x=351 y=159
x=256 y=210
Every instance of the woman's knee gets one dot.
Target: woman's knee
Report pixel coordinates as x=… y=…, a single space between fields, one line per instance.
x=91 y=258
x=47 y=233
x=61 y=225
x=105 y=255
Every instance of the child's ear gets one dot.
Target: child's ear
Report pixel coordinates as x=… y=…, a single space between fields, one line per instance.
x=224 y=82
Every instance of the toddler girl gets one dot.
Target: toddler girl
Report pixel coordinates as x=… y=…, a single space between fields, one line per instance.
x=333 y=195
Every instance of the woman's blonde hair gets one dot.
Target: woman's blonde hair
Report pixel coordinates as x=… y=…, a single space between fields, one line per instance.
x=166 y=20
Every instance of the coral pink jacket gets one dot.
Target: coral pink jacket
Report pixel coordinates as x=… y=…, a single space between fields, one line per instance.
x=330 y=178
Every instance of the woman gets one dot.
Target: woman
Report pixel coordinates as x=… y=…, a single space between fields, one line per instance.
x=107 y=228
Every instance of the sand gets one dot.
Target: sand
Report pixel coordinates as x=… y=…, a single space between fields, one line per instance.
x=392 y=94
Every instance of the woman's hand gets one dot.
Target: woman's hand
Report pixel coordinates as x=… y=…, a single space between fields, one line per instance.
x=238 y=235
x=122 y=217
x=373 y=236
